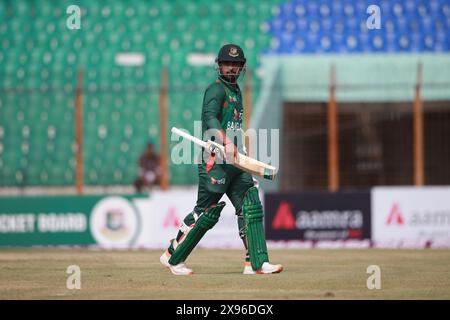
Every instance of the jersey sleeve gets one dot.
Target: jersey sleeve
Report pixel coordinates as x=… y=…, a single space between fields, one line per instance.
x=212 y=105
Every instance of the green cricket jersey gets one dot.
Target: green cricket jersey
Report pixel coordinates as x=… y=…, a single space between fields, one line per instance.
x=222 y=109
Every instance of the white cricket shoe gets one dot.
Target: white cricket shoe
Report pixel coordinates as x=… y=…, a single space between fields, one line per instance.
x=179 y=270
x=248 y=268
x=164 y=259
x=266 y=268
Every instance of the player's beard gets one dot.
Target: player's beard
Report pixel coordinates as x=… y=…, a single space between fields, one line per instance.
x=231 y=77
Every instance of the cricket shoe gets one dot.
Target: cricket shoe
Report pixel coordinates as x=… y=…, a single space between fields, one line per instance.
x=248 y=268
x=266 y=268
x=179 y=270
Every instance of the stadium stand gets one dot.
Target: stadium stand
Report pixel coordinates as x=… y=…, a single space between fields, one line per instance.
x=325 y=26
x=40 y=58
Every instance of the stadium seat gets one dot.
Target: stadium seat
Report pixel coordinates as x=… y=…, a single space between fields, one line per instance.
x=41 y=57
x=417 y=17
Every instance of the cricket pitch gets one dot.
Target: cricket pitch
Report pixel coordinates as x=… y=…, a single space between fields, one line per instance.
x=39 y=273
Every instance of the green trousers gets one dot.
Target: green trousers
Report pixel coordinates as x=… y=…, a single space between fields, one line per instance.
x=221 y=179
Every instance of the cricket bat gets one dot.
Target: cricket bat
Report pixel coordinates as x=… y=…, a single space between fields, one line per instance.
x=242 y=162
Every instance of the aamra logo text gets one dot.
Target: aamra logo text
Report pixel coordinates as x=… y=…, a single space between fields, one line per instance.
x=395 y=216
x=171 y=219
x=284 y=218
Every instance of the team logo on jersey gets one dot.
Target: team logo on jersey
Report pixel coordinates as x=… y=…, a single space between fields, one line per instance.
x=233 y=52
x=215 y=181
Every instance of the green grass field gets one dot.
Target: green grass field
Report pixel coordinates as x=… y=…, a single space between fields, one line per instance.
x=309 y=274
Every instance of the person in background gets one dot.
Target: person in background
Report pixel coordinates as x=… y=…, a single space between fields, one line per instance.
x=149 y=169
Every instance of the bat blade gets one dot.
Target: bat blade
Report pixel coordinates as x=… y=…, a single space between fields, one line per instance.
x=243 y=162
x=256 y=167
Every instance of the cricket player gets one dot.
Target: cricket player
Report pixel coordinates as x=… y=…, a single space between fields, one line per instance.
x=222 y=113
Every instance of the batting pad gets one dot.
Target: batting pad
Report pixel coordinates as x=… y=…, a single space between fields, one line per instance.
x=256 y=239
x=206 y=221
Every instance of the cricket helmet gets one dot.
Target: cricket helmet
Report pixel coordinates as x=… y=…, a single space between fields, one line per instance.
x=231 y=53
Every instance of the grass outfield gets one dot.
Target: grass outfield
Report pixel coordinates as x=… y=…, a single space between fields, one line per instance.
x=309 y=274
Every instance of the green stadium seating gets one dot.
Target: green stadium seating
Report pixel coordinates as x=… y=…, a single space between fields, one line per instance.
x=40 y=59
